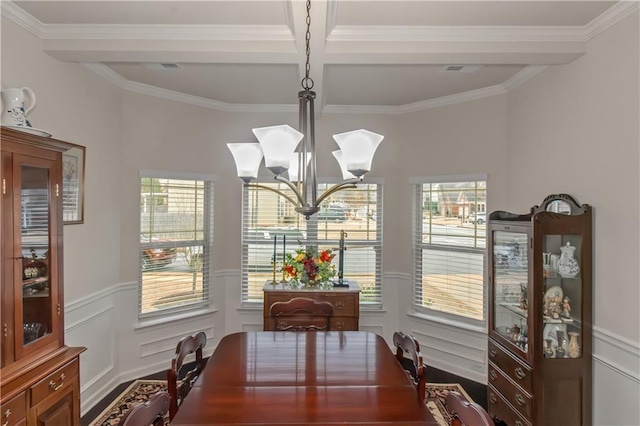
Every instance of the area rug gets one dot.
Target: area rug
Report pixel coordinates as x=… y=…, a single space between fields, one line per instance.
x=140 y=391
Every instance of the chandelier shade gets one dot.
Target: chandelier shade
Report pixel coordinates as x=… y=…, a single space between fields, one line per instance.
x=247 y=157
x=346 y=174
x=358 y=148
x=278 y=146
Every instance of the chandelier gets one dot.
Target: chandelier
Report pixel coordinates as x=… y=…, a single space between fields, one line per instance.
x=278 y=144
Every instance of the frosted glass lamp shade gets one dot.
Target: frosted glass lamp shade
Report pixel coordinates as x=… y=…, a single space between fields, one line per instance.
x=358 y=147
x=247 y=157
x=346 y=174
x=278 y=144
x=295 y=174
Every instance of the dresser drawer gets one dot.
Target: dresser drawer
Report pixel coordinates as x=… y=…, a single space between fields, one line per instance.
x=511 y=367
x=344 y=305
x=500 y=409
x=521 y=400
x=343 y=324
x=57 y=381
x=14 y=411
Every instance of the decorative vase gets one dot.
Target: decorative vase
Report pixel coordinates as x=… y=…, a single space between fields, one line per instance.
x=13 y=106
x=567 y=264
x=548 y=350
x=574 y=347
x=561 y=350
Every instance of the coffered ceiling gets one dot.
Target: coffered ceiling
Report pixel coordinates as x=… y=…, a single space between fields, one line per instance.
x=366 y=56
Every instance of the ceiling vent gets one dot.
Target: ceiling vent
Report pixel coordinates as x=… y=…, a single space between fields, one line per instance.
x=461 y=68
x=154 y=66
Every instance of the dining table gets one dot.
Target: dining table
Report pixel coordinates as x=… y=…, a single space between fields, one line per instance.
x=303 y=378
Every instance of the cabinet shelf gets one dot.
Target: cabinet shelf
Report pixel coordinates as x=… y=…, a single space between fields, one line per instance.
x=515 y=309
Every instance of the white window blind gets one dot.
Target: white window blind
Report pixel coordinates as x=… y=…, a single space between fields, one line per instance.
x=176 y=228
x=449 y=246
x=356 y=211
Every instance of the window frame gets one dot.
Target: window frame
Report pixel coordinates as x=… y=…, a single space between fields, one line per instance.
x=312 y=235
x=206 y=242
x=417 y=184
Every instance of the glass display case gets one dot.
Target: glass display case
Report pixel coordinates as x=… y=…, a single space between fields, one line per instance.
x=540 y=312
x=39 y=375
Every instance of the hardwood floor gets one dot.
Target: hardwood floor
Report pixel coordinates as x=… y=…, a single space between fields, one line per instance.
x=477 y=391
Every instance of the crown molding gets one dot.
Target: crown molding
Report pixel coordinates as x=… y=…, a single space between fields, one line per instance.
x=457 y=34
x=145 y=32
x=334 y=33
x=22 y=18
x=617 y=12
x=417 y=106
x=145 y=89
x=525 y=74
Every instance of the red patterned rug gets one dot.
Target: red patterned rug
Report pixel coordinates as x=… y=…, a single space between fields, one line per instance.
x=140 y=390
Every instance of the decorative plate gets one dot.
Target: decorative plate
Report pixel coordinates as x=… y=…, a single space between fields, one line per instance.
x=31 y=130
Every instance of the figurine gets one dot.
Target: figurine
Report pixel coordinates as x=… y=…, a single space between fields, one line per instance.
x=566 y=308
x=524 y=303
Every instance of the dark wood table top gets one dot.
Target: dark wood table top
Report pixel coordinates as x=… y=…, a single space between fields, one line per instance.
x=296 y=378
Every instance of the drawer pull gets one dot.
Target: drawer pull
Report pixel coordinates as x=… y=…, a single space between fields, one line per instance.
x=493 y=374
x=493 y=352
x=520 y=400
x=520 y=374
x=6 y=416
x=53 y=385
x=492 y=398
x=518 y=423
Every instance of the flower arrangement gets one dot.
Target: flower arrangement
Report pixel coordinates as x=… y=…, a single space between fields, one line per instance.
x=310 y=267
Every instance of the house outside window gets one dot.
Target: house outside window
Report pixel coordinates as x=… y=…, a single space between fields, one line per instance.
x=449 y=245
x=176 y=230
x=268 y=216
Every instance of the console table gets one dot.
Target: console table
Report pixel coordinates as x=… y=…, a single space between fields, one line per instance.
x=345 y=301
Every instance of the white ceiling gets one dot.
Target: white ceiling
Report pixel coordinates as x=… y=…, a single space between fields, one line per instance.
x=366 y=56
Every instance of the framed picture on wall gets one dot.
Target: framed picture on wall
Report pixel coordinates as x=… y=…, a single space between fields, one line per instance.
x=73 y=185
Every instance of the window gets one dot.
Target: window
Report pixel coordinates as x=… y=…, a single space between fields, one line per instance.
x=267 y=215
x=449 y=245
x=176 y=219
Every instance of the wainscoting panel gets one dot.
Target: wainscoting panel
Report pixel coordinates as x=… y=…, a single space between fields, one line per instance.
x=119 y=348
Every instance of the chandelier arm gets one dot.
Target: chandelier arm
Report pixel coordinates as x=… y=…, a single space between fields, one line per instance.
x=293 y=187
x=351 y=183
x=277 y=191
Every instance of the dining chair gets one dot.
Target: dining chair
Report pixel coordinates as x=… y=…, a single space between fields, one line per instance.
x=151 y=412
x=466 y=413
x=179 y=382
x=414 y=366
x=301 y=314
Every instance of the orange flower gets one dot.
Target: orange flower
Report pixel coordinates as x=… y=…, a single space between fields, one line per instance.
x=325 y=256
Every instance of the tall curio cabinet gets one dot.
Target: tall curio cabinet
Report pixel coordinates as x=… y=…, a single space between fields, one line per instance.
x=39 y=374
x=540 y=312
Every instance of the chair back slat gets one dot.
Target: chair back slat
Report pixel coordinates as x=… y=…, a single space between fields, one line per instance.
x=466 y=413
x=414 y=366
x=179 y=384
x=151 y=412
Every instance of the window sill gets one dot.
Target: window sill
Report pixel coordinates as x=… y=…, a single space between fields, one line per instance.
x=171 y=318
x=471 y=325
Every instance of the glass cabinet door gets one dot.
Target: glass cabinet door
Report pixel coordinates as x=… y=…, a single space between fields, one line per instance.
x=511 y=287
x=34 y=314
x=561 y=304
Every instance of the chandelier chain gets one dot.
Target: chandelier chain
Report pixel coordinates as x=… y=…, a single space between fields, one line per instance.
x=307 y=82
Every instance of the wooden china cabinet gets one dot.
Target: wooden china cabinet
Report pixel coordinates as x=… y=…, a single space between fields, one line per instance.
x=540 y=314
x=39 y=374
